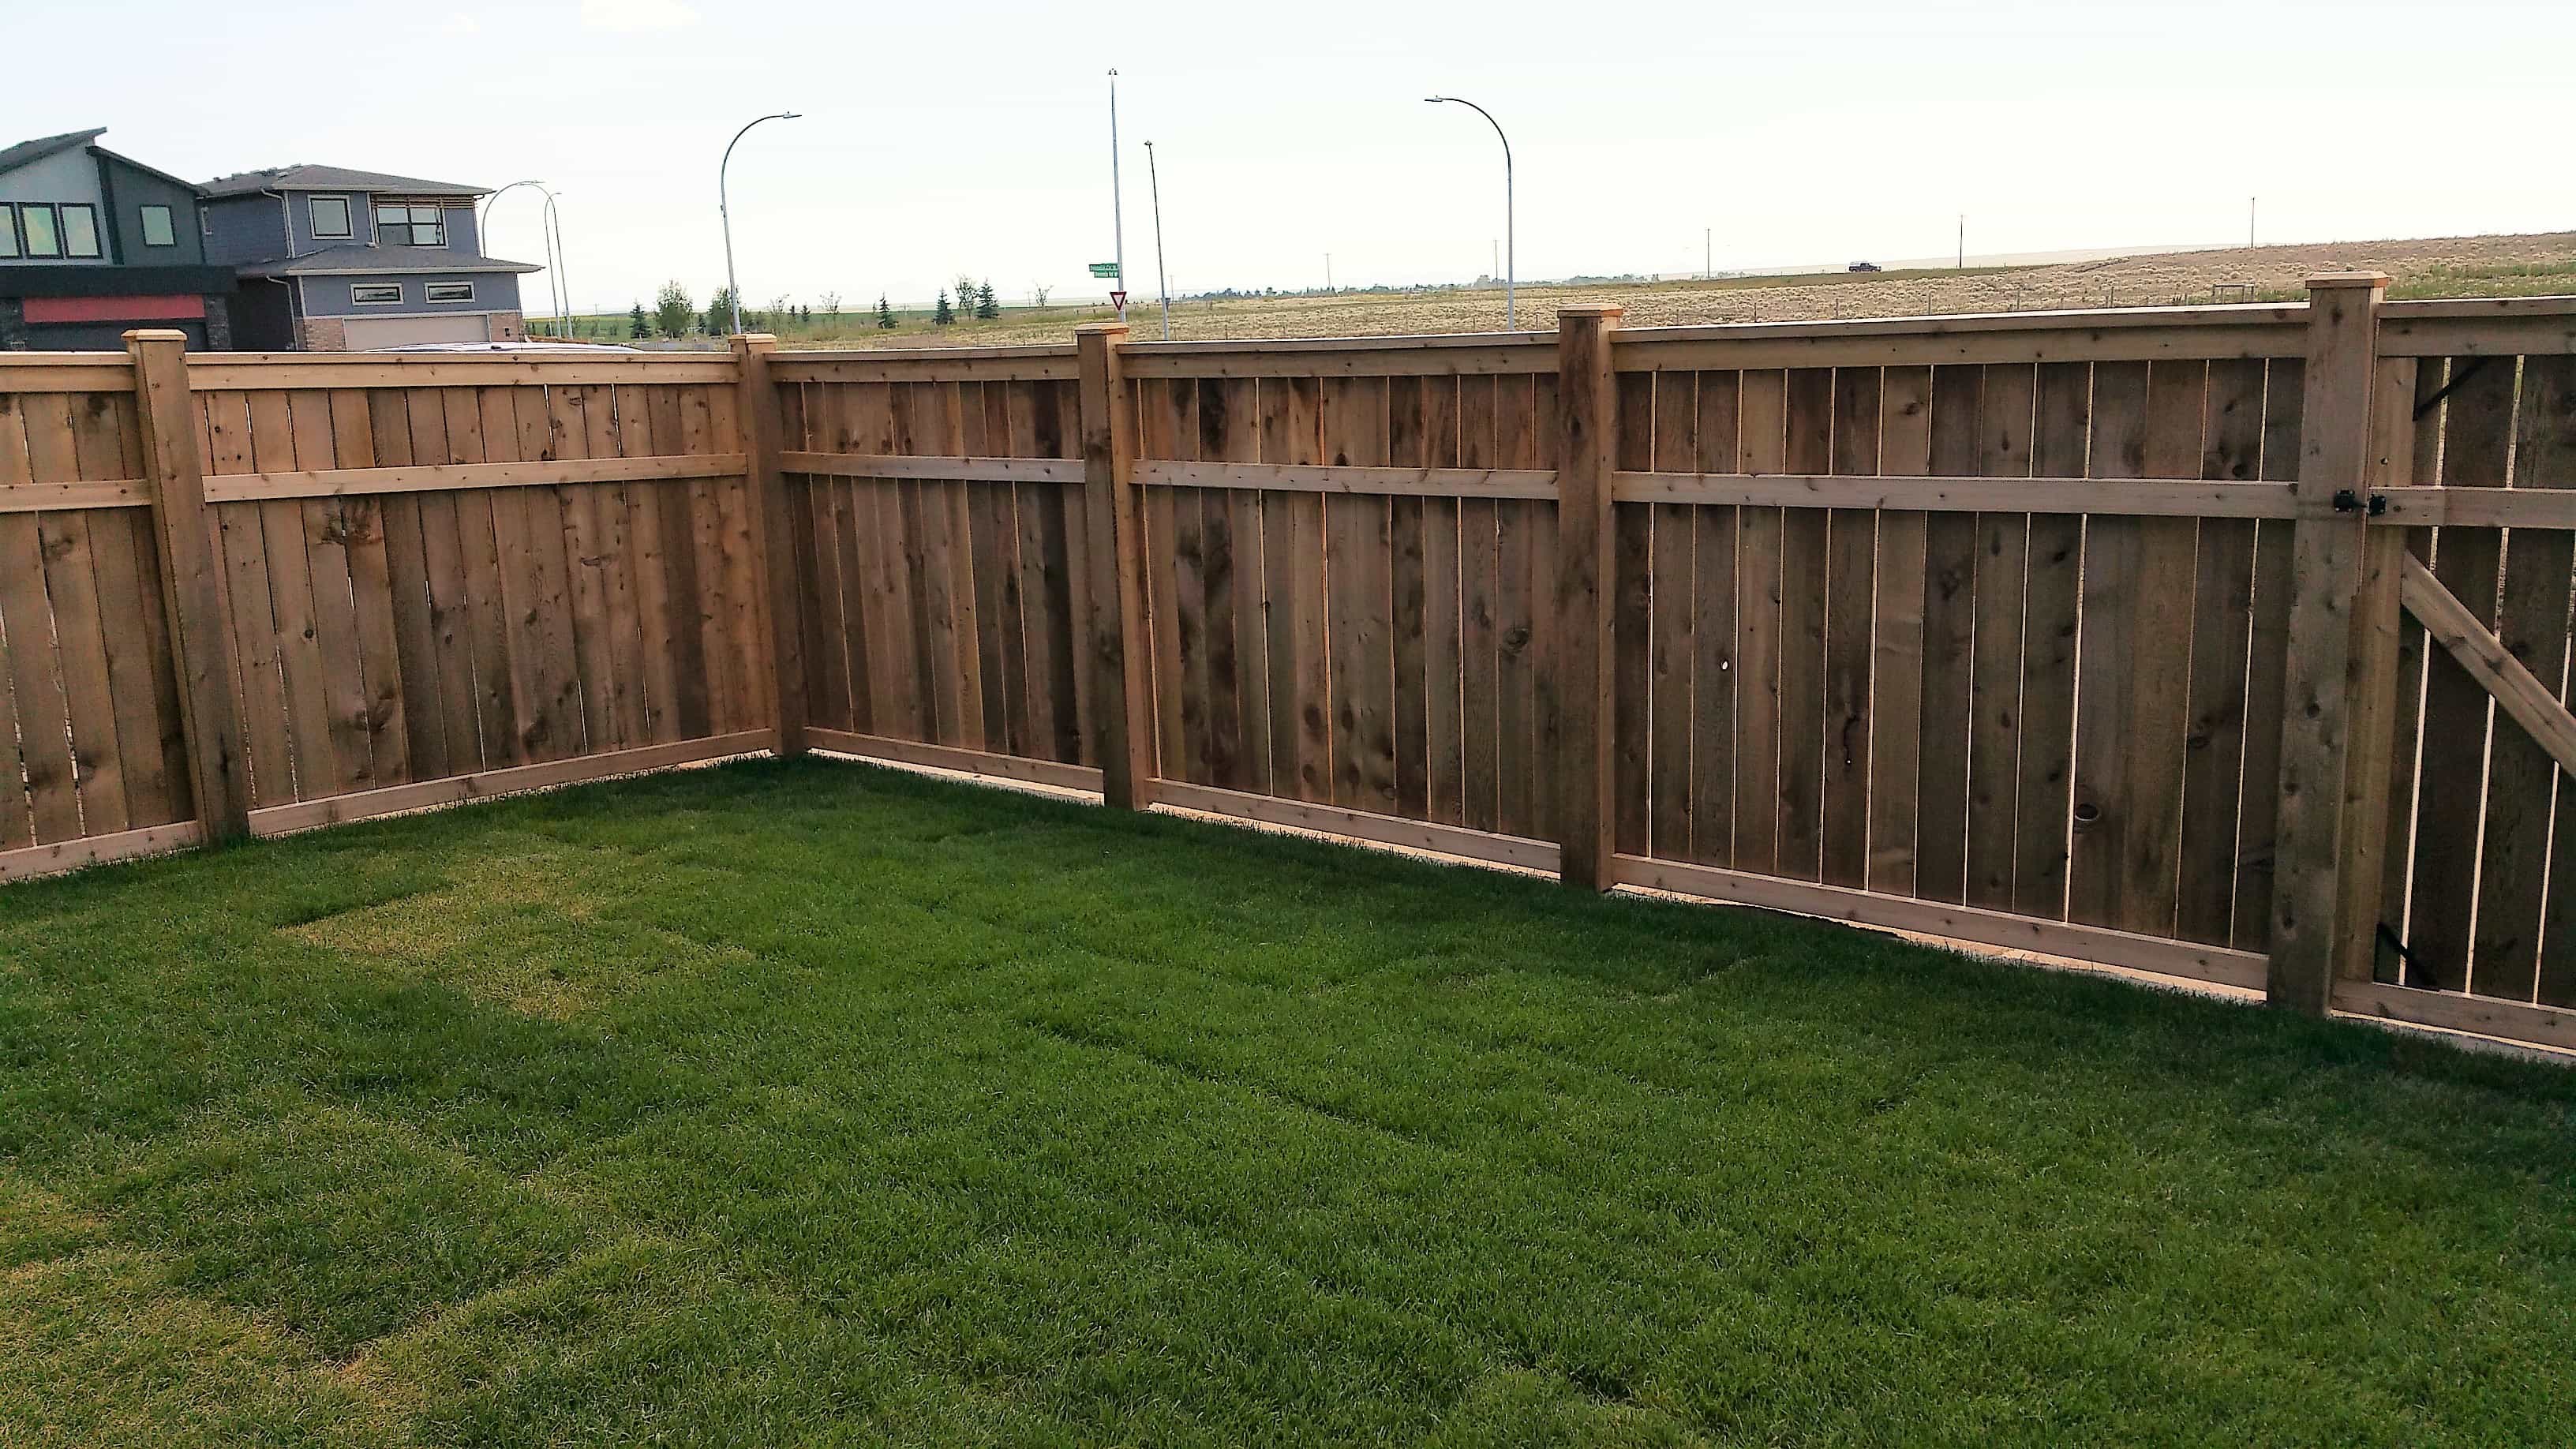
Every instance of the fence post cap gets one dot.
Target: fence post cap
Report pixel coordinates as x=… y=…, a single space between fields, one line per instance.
x=1591 y=309
x=753 y=341
x=156 y=334
x=2318 y=280
x=1101 y=329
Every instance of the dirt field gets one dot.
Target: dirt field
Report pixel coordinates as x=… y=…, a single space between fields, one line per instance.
x=2450 y=266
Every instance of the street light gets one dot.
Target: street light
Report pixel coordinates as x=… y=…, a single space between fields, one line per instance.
x=724 y=210
x=550 y=235
x=1162 y=286
x=1511 y=261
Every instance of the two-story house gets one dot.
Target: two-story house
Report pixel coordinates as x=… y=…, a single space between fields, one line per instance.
x=93 y=243
x=333 y=260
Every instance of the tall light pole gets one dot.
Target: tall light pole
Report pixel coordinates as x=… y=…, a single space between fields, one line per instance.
x=1117 y=206
x=1511 y=259
x=1963 y=241
x=2250 y=203
x=550 y=237
x=1162 y=287
x=724 y=209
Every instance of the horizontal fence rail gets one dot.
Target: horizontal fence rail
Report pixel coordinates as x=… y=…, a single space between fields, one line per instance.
x=2229 y=644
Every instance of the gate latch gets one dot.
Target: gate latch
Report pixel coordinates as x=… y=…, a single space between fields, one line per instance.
x=2347 y=501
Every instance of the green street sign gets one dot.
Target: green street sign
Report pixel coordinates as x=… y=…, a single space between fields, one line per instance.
x=1104 y=269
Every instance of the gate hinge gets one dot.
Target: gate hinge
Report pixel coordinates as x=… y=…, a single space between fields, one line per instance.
x=2347 y=501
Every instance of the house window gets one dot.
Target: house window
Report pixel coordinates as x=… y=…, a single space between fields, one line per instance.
x=80 y=230
x=329 y=215
x=376 y=294
x=412 y=226
x=451 y=291
x=8 y=231
x=158 y=230
x=44 y=238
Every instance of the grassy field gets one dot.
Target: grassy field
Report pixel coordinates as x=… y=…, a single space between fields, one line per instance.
x=812 y=1103
x=2488 y=266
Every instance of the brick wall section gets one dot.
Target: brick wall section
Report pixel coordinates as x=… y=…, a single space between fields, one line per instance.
x=219 y=325
x=508 y=327
x=322 y=334
x=13 y=325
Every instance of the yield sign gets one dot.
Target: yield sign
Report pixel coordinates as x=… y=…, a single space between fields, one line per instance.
x=1118 y=300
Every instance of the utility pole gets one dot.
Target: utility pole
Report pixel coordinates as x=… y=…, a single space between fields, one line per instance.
x=1328 y=271
x=2251 y=203
x=1707 y=254
x=1162 y=285
x=1963 y=241
x=1117 y=209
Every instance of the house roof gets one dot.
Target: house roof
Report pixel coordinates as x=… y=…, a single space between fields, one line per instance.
x=333 y=178
x=44 y=146
x=124 y=159
x=361 y=260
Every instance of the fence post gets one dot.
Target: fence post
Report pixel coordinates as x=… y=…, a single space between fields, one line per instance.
x=192 y=583
x=1122 y=706
x=773 y=542
x=2337 y=672
x=1576 y=700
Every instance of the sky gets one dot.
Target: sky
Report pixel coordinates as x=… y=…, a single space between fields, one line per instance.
x=973 y=138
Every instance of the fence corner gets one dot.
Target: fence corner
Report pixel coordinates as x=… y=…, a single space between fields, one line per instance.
x=1575 y=693
x=773 y=539
x=1114 y=633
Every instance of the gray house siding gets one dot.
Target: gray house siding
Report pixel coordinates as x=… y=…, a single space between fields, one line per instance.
x=329 y=296
x=243 y=229
x=69 y=175
x=299 y=218
x=129 y=190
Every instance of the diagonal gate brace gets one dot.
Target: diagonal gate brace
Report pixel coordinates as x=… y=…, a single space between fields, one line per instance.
x=2480 y=652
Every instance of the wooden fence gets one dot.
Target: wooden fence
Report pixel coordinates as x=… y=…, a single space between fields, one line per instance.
x=2228 y=644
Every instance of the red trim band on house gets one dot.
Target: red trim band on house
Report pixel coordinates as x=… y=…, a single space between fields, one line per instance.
x=114 y=309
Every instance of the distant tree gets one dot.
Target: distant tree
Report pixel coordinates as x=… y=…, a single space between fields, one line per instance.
x=720 y=310
x=672 y=311
x=885 y=314
x=781 y=311
x=832 y=304
x=638 y=324
x=805 y=315
x=965 y=292
x=986 y=309
x=946 y=314
x=1039 y=291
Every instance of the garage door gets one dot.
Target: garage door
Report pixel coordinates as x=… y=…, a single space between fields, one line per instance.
x=366 y=332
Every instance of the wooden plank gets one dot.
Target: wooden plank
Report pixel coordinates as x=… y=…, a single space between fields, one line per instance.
x=350 y=764
x=742 y=549
x=1580 y=694
x=2113 y=560
x=79 y=628
x=1715 y=441
x=410 y=616
x=490 y=784
x=1524 y=594
x=1359 y=572
x=2483 y=1016
x=2222 y=617
x=2521 y=695
x=585 y=558
x=1851 y=596
x=193 y=600
x=449 y=477
x=1949 y=636
x=2060 y=434
x=362 y=525
x=1409 y=725
x=1443 y=620
x=1293 y=539
x=1167 y=424
x=460 y=548
x=1479 y=616
x=2019 y=338
x=134 y=632
x=1122 y=692
x=1967 y=924
x=50 y=497
x=244 y=555
x=42 y=713
x=2267 y=665
x=1762 y=429
x=979 y=469
x=1629 y=589
x=548 y=637
x=301 y=664
x=1478 y=845
x=1675 y=654
x=1230 y=528
x=240 y=372
x=684 y=591
x=1045 y=603
x=2531 y=624
x=29 y=862
x=2477 y=440
x=2144 y=498
x=1804 y=571
x=781 y=696
x=2373 y=696
x=1896 y=702
x=2326 y=574
x=610 y=433
x=1530 y=434
x=1058 y=774
x=2008 y=399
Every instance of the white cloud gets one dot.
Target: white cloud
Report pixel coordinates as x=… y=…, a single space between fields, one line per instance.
x=461 y=23
x=628 y=16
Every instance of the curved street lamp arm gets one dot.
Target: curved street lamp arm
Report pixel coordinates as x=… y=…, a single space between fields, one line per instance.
x=1511 y=260
x=724 y=211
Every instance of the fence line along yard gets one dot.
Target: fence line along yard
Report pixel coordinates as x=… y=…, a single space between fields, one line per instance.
x=2222 y=643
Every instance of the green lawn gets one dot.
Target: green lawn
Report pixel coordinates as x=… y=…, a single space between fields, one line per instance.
x=814 y=1103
